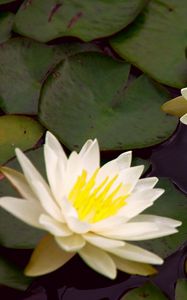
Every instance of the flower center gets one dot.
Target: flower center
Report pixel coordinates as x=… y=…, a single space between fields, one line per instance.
x=95 y=202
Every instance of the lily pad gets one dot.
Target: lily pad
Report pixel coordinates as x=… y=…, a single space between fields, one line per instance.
x=13 y=232
x=17 y=131
x=6 y=22
x=20 y=85
x=6 y=1
x=172 y=204
x=86 y=20
x=156 y=42
x=181 y=289
x=11 y=276
x=90 y=98
x=148 y=291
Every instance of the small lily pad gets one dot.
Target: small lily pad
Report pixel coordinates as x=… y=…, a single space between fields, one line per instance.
x=11 y=276
x=181 y=289
x=6 y=22
x=156 y=42
x=17 y=131
x=172 y=204
x=91 y=98
x=13 y=232
x=148 y=291
x=86 y=20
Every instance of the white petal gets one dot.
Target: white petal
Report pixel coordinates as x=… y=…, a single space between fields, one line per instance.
x=183 y=119
x=74 y=169
x=130 y=231
x=136 y=253
x=19 y=182
x=71 y=243
x=102 y=242
x=28 y=168
x=54 y=227
x=67 y=208
x=107 y=223
x=78 y=226
x=54 y=144
x=114 y=166
x=85 y=147
x=133 y=267
x=157 y=219
x=98 y=260
x=129 y=177
x=90 y=158
x=138 y=202
x=184 y=93
x=47 y=200
x=25 y=210
x=145 y=183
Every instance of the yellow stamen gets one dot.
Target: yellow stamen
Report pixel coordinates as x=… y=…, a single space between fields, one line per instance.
x=95 y=203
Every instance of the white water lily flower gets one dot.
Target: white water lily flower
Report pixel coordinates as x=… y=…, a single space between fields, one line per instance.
x=87 y=209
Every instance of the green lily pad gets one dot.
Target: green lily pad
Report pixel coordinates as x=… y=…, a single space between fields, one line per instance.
x=156 y=42
x=148 y=291
x=6 y=22
x=172 y=204
x=11 y=276
x=86 y=20
x=17 y=131
x=13 y=232
x=20 y=85
x=6 y=1
x=91 y=98
x=181 y=289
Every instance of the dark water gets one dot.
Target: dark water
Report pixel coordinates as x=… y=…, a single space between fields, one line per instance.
x=76 y=281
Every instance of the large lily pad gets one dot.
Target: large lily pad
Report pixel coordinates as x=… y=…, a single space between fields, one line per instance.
x=6 y=1
x=172 y=204
x=20 y=85
x=148 y=291
x=6 y=22
x=17 y=131
x=156 y=42
x=87 y=20
x=90 y=98
x=13 y=232
x=11 y=276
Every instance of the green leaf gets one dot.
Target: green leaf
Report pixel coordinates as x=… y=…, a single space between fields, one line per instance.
x=6 y=1
x=171 y=204
x=17 y=131
x=181 y=289
x=24 y=66
x=11 y=276
x=86 y=20
x=13 y=232
x=6 y=22
x=90 y=98
x=148 y=291
x=156 y=42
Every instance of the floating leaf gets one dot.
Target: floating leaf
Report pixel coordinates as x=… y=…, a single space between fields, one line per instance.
x=6 y=1
x=11 y=276
x=148 y=291
x=181 y=289
x=86 y=20
x=24 y=65
x=17 y=131
x=172 y=204
x=156 y=42
x=175 y=107
x=13 y=232
x=90 y=98
x=6 y=22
